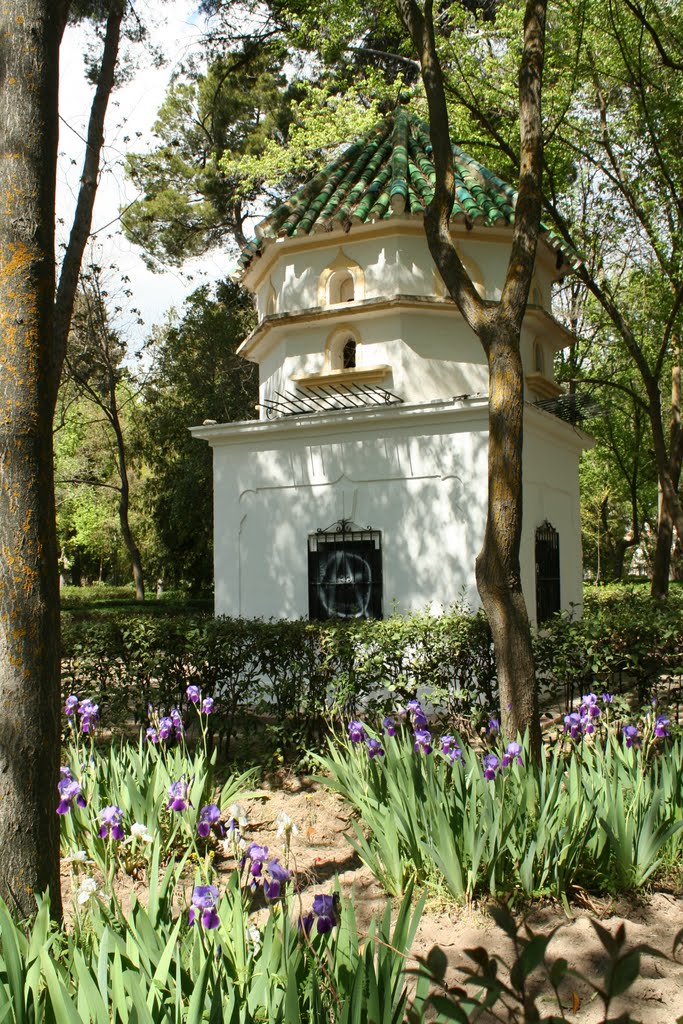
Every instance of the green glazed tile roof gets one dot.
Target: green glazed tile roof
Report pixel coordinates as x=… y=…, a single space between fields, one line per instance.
x=387 y=172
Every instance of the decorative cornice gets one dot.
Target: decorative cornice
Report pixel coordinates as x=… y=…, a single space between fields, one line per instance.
x=452 y=414
x=553 y=330
x=365 y=420
x=356 y=375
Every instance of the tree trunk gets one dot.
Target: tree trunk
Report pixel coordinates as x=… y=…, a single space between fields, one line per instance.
x=662 y=559
x=497 y=567
x=29 y=588
x=665 y=524
x=499 y=330
x=82 y=222
x=124 y=500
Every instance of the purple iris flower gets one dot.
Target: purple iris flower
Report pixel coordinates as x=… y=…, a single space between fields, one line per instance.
x=208 y=817
x=452 y=749
x=204 y=899
x=165 y=728
x=323 y=908
x=490 y=766
x=494 y=727
x=272 y=886
x=419 y=717
x=607 y=698
x=152 y=736
x=512 y=753
x=277 y=871
x=389 y=726
x=69 y=792
x=257 y=854
x=375 y=748
x=423 y=741
x=305 y=923
x=356 y=731
x=661 y=730
x=207 y=706
x=177 y=720
x=111 y=818
x=71 y=704
x=178 y=793
x=192 y=693
x=573 y=724
x=589 y=707
x=90 y=714
x=630 y=734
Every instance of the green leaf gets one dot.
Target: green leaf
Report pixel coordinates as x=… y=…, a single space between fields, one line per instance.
x=10 y=937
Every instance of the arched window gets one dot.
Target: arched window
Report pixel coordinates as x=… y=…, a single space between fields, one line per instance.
x=547 y=572
x=342 y=349
x=349 y=354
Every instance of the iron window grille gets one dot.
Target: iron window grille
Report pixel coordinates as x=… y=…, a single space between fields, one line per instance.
x=345 y=572
x=547 y=572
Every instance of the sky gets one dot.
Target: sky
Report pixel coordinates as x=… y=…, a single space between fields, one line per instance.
x=176 y=28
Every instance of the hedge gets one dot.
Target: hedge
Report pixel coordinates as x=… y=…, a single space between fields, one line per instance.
x=291 y=677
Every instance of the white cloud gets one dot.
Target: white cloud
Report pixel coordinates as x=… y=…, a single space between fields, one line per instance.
x=175 y=28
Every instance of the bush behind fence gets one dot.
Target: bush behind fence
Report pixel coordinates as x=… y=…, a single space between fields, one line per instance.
x=289 y=677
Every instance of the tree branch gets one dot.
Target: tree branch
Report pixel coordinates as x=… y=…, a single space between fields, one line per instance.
x=80 y=230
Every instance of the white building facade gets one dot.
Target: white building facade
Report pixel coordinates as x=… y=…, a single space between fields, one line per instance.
x=362 y=488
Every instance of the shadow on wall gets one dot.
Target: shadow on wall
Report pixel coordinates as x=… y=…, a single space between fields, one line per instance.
x=431 y=526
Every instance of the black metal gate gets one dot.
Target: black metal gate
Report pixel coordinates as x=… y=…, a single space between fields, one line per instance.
x=345 y=573
x=547 y=572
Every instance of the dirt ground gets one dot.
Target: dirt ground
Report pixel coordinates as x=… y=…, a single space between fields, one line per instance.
x=321 y=853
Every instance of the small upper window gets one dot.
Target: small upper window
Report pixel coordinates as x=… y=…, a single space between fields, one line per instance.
x=349 y=355
x=342 y=350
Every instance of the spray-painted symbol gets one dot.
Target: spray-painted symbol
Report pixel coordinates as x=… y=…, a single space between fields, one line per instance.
x=345 y=585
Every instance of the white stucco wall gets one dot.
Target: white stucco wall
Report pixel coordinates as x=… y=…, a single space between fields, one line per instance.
x=417 y=476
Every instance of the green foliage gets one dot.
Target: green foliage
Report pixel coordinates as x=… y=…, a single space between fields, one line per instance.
x=285 y=677
x=596 y=815
x=321 y=122
x=190 y=203
x=137 y=778
x=144 y=965
x=625 y=640
x=195 y=376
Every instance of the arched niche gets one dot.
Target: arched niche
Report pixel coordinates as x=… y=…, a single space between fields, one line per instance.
x=342 y=281
x=341 y=349
x=535 y=292
x=538 y=358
